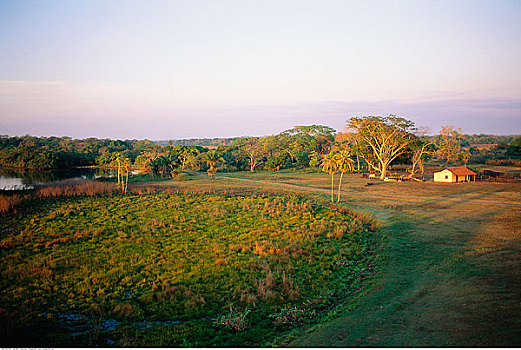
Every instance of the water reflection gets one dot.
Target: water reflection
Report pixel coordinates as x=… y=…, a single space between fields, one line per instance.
x=22 y=179
x=12 y=184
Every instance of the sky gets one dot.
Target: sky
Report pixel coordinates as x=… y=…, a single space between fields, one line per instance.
x=203 y=68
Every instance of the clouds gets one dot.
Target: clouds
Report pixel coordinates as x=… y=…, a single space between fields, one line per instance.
x=168 y=69
x=119 y=110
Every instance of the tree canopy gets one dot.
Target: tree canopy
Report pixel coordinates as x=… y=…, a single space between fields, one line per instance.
x=382 y=139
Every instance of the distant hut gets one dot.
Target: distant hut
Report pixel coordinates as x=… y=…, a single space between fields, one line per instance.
x=460 y=174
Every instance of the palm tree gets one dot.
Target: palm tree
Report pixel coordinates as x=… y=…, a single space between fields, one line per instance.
x=329 y=165
x=117 y=157
x=126 y=166
x=212 y=157
x=344 y=164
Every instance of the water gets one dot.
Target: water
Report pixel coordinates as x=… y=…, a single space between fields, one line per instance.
x=78 y=324
x=23 y=179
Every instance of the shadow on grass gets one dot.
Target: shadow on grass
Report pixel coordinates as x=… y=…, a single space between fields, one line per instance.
x=437 y=287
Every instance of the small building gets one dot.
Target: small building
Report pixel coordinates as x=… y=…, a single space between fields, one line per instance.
x=492 y=173
x=459 y=174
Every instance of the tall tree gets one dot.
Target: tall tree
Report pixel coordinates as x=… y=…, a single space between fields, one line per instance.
x=349 y=141
x=464 y=157
x=514 y=148
x=383 y=139
x=253 y=148
x=118 y=159
x=211 y=158
x=449 y=143
x=126 y=167
x=330 y=166
x=344 y=163
x=318 y=137
x=422 y=149
x=276 y=154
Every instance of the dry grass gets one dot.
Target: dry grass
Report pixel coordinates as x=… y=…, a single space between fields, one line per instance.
x=76 y=188
x=9 y=203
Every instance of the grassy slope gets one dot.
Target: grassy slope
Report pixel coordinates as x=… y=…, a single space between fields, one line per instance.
x=454 y=265
x=167 y=257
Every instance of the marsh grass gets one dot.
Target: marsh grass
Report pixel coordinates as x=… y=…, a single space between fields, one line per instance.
x=75 y=188
x=186 y=254
x=9 y=203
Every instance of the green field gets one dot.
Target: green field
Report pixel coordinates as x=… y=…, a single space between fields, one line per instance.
x=262 y=259
x=174 y=269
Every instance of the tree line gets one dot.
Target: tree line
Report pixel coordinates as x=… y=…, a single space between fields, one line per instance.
x=369 y=143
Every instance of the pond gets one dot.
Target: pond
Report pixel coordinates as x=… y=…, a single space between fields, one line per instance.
x=23 y=179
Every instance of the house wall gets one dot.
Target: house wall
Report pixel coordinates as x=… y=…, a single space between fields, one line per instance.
x=444 y=176
x=465 y=178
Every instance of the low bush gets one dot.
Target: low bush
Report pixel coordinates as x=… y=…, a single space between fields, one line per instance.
x=181 y=177
x=293 y=316
x=234 y=320
x=504 y=162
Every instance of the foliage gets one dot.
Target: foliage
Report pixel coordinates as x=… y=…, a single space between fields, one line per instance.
x=344 y=164
x=382 y=139
x=315 y=159
x=514 y=148
x=253 y=149
x=64 y=152
x=301 y=146
x=277 y=163
x=449 y=144
x=318 y=138
x=349 y=141
x=212 y=158
x=330 y=166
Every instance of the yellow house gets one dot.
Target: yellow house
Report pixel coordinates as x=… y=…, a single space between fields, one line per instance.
x=460 y=174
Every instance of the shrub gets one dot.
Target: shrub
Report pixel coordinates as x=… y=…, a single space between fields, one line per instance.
x=512 y=162
x=292 y=316
x=181 y=177
x=234 y=320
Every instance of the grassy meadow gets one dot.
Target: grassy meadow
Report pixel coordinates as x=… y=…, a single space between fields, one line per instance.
x=264 y=259
x=175 y=267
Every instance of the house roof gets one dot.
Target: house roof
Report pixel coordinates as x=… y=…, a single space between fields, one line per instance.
x=460 y=171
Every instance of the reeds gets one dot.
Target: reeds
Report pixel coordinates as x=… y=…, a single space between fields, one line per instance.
x=9 y=203
x=76 y=188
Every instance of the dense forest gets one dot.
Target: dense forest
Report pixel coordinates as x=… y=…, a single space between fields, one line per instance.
x=299 y=147
x=205 y=142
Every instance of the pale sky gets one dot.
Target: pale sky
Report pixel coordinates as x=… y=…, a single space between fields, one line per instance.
x=187 y=69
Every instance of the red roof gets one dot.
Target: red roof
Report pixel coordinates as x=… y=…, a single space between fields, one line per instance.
x=461 y=171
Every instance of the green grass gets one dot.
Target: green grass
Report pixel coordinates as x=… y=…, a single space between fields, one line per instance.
x=448 y=273
x=173 y=269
